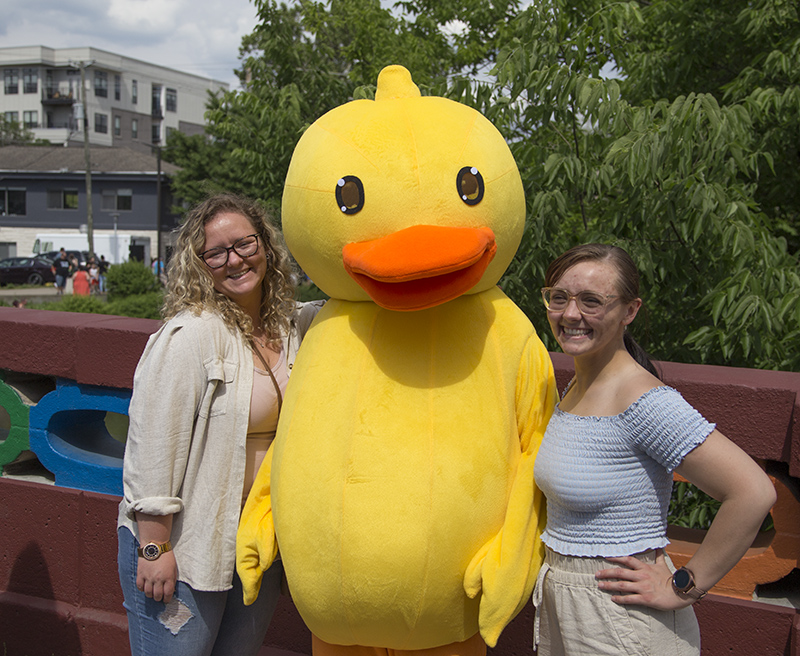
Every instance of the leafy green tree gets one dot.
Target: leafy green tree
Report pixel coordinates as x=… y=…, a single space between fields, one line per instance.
x=13 y=133
x=131 y=278
x=673 y=180
x=669 y=127
x=744 y=53
x=207 y=167
x=305 y=58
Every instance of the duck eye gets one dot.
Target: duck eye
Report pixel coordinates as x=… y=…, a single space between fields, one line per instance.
x=350 y=194
x=470 y=185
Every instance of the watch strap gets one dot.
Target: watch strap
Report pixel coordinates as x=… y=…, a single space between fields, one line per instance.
x=691 y=590
x=163 y=548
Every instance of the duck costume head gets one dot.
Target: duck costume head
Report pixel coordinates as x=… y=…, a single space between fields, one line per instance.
x=400 y=485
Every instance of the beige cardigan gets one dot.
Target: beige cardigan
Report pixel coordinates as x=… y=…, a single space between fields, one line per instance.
x=185 y=452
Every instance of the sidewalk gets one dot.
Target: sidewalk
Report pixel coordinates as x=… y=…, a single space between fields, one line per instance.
x=39 y=294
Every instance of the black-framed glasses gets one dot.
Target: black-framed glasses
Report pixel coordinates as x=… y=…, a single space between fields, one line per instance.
x=557 y=300
x=218 y=257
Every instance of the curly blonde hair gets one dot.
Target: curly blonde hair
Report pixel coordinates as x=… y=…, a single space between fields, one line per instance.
x=191 y=287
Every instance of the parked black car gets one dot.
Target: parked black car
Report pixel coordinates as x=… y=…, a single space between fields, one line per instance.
x=25 y=270
x=52 y=256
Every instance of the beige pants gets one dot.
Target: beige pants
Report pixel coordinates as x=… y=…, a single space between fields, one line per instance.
x=575 y=618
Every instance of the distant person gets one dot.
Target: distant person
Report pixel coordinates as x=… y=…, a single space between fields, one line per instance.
x=93 y=270
x=80 y=283
x=19 y=303
x=102 y=267
x=61 y=270
x=74 y=265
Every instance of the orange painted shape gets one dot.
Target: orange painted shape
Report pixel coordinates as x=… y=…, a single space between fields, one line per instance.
x=421 y=266
x=772 y=556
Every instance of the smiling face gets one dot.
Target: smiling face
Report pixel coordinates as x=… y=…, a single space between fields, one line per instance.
x=579 y=334
x=240 y=279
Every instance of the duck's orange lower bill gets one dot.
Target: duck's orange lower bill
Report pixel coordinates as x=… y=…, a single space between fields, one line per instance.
x=422 y=266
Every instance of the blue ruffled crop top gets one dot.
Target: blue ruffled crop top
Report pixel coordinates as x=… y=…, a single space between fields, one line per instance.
x=608 y=480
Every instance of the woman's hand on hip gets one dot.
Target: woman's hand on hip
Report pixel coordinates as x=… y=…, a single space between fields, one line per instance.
x=643 y=584
x=156 y=578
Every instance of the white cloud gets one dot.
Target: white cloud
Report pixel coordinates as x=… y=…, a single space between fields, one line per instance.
x=195 y=36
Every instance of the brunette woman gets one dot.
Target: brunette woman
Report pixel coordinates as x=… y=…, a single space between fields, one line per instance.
x=605 y=466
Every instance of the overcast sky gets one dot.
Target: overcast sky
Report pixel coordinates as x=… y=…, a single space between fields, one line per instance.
x=195 y=36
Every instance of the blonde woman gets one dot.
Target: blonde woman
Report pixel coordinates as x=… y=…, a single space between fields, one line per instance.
x=206 y=397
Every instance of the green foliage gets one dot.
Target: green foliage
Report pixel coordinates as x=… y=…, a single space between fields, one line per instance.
x=674 y=181
x=687 y=156
x=309 y=292
x=85 y=304
x=207 y=168
x=305 y=58
x=145 y=306
x=690 y=507
x=129 y=279
x=12 y=133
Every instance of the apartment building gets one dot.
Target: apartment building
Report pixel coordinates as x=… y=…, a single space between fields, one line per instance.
x=127 y=102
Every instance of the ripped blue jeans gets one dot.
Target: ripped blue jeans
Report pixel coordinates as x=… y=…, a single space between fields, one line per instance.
x=194 y=623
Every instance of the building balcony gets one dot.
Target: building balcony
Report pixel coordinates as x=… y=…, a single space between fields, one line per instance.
x=56 y=97
x=65 y=383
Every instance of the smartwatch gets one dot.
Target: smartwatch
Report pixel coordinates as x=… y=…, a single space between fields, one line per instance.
x=152 y=550
x=684 y=585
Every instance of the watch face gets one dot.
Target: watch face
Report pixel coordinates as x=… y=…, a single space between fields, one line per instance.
x=682 y=579
x=151 y=551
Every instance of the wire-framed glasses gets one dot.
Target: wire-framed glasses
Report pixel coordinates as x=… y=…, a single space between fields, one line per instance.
x=218 y=257
x=557 y=300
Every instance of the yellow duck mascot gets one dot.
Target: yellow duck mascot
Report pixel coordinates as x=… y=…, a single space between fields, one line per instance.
x=400 y=483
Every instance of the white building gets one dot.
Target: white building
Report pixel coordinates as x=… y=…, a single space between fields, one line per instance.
x=127 y=102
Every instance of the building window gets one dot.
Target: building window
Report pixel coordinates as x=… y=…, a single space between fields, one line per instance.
x=101 y=123
x=135 y=128
x=62 y=199
x=117 y=126
x=134 y=92
x=30 y=80
x=12 y=202
x=30 y=120
x=101 y=84
x=120 y=200
x=172 y=100
x=117 y=87
x=155 y=133
x=156 y=100
x=11 y=79
x=11 y=117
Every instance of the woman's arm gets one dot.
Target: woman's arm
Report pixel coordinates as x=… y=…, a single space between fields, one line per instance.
x=722 y=470
x=156 y=578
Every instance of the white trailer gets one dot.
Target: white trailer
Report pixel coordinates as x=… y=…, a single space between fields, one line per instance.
x=115 y=247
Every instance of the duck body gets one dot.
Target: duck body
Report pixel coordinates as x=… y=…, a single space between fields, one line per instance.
x=399 y=486
x=415 y=429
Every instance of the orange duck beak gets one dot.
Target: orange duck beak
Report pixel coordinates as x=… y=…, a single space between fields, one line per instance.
x=420 y=267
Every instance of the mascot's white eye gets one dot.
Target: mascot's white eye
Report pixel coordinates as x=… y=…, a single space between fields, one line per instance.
x=470 y=185
x=350 y=194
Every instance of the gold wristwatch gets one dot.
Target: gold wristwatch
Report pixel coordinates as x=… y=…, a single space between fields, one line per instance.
x=152 y=550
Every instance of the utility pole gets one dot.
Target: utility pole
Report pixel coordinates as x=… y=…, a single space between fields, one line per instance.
x=83 y=65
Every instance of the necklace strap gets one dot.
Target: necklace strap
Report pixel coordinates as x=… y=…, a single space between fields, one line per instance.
x=271 y=375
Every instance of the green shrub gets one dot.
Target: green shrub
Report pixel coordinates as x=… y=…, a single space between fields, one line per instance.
x=144 y=306
x=130 y=279
x=690 y=507
x=86 y=304
x=308 y=291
